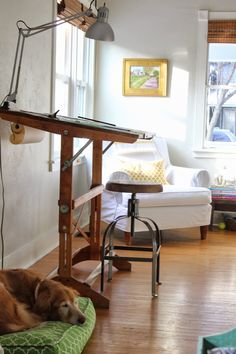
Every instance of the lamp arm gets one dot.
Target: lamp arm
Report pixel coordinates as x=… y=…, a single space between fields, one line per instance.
x=11 y=97
x=31 y=31
x=24 y=31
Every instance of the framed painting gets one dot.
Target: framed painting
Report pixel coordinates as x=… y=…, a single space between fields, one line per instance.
x=144 y=77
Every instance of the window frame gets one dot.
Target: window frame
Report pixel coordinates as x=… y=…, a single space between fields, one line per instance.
x=213 y=150
x=87 y=83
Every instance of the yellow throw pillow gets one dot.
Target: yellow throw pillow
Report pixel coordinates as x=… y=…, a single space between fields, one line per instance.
x=145 y=171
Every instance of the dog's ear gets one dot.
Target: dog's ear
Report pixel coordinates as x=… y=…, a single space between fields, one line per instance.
x=43 y=300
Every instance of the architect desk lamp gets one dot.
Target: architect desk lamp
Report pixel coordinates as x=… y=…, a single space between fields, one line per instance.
x=100 y=30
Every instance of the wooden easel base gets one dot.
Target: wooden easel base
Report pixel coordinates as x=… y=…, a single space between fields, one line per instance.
x=83 y=287
x=85 y=290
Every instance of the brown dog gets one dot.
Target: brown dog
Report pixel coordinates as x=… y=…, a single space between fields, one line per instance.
x=26 y=300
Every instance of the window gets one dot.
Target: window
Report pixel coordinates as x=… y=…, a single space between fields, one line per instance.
x=216 y=85
x=74 y=71
x=74 y=78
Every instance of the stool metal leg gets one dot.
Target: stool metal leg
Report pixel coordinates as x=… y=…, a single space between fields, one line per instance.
x=154 y=255
x=159 y=242
x=154 y=264
x=108 y=233
x=110 y=244
x=156 y=244
x=132 y=212
x=103 y=253
x=110 y=263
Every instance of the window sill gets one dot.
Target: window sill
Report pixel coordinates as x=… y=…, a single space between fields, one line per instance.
x=214 y=153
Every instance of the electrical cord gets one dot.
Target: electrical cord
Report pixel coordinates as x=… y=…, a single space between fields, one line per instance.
x=3 y=101
x=3 y=207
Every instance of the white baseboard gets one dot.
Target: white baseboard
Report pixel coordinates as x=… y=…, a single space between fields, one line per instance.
x=32 y=251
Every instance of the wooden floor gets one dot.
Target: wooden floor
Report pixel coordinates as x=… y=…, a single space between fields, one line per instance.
x=197 y=297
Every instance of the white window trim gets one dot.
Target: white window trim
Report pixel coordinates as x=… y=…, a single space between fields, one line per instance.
x=200 y=98
x=53 y=78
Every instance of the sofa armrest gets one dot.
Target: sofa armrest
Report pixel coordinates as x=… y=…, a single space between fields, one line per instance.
x=111 y=200
x=115 y=197
x=119 y=176
x=187 y=176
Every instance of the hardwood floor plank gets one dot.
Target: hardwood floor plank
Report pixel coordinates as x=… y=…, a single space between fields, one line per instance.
x=197 y=296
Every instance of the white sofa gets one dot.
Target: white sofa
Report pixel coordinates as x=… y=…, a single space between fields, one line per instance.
x=185 y=201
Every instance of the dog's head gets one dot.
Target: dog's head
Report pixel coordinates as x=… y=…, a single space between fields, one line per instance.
x=56 y=302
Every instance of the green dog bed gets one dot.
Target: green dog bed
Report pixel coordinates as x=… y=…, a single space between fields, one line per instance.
x=53 y=337
x=220 y=341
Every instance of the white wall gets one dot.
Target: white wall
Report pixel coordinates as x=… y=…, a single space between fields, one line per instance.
x=31 y=192
x=156 y=29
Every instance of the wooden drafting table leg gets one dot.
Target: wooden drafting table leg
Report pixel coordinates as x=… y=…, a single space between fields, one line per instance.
x=65 y=209
x=65 y=229
x=93 y=250
x=95 y=218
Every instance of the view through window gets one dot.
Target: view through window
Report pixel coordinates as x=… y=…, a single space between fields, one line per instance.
x=221 y=93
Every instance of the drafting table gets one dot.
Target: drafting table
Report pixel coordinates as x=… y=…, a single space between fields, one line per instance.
x=97 y=132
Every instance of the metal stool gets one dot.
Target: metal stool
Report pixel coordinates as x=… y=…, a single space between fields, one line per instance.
x=107 y=251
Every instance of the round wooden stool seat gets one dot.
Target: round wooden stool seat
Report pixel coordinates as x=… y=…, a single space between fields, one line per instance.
x=134 y=187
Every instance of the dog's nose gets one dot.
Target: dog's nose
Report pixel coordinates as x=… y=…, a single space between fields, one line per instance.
x=81 y=320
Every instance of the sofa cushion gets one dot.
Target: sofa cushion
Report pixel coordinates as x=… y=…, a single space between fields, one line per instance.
x=144 y=171
x=53 y=337
x=174 y=196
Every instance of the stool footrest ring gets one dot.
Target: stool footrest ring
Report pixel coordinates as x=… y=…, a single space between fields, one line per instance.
x=132 y=259
x=133 y=248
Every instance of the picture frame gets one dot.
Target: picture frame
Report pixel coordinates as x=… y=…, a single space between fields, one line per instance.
x=144 y=77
